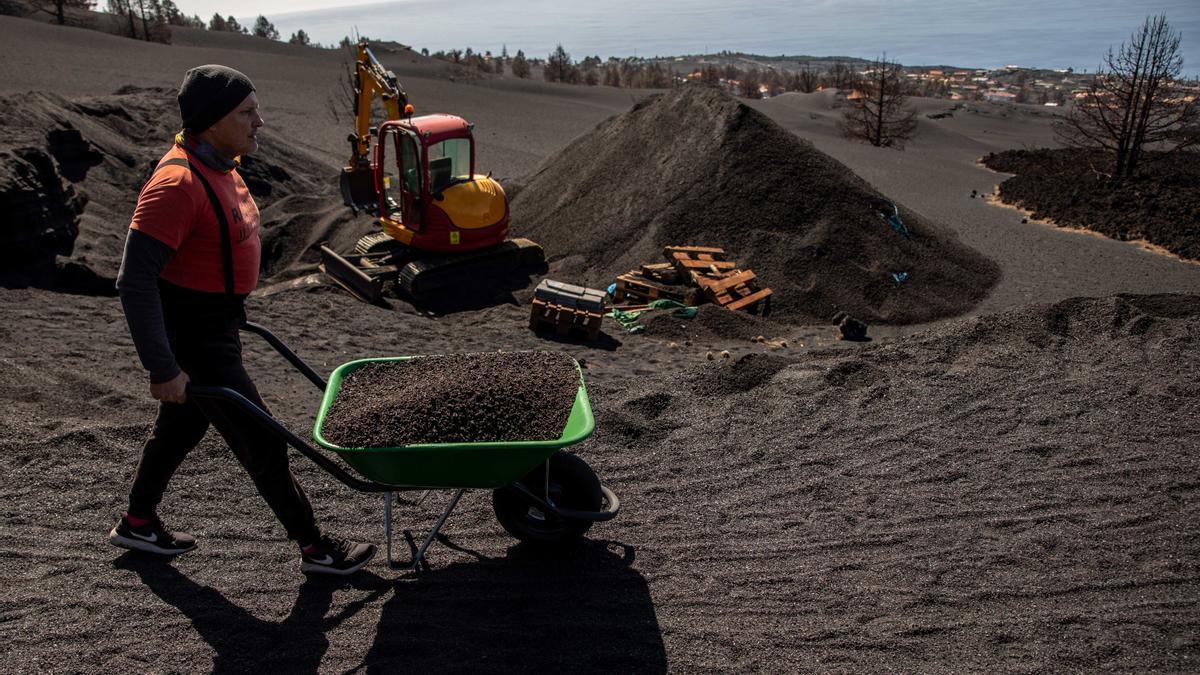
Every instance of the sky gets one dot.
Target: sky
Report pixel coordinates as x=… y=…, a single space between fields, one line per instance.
x=965 y=33
x=268 y=8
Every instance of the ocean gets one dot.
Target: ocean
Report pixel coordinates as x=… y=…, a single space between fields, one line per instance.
x=1031 y=33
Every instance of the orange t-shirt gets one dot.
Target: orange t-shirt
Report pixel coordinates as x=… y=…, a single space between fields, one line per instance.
x=174 y=208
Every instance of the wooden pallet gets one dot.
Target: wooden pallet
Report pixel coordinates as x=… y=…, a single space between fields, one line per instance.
x=661 y=272
x=633 y=287
x=691 y=261
x=734 y=290
x=563 y=320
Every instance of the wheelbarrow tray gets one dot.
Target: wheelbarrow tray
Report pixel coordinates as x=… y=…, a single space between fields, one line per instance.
x=489 y=465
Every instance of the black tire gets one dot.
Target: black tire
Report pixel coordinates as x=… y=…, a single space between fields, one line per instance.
x=573 y=485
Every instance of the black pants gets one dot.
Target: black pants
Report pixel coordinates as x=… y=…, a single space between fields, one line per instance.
x=208 y=348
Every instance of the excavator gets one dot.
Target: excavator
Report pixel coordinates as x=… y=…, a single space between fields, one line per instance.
x=441 y=223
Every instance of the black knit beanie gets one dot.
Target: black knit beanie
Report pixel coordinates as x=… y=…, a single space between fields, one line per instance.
x=209 y=93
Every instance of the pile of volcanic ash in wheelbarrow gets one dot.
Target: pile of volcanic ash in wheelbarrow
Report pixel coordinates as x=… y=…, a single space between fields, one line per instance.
x=455 y=398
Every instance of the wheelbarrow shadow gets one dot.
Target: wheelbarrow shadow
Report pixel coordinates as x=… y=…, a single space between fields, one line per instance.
x=584 y=610
x=243 y=642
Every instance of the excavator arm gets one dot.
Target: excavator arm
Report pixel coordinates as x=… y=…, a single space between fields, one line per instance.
x=371 y=79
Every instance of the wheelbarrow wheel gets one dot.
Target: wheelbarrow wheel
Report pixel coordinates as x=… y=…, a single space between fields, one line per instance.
x=573 y=485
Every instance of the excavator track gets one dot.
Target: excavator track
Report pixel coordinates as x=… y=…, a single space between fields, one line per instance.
x=377 y=242
x=429 y=273
x=378 y=259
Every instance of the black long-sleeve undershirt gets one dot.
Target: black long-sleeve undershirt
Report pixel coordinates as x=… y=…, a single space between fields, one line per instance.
x=137 y=284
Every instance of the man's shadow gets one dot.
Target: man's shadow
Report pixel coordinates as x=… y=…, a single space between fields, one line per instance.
x=583 y=610
x=243 y=642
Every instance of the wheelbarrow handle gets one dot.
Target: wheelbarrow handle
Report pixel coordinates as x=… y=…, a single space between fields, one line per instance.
x=234 y=398
x=287 y=353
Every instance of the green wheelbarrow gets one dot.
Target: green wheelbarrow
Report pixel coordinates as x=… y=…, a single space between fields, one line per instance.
x=541 y=495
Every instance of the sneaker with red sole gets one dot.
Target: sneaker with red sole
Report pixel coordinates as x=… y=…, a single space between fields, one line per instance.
x=153 y=537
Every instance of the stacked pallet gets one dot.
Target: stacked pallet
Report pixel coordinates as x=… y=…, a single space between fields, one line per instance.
x=691 y=275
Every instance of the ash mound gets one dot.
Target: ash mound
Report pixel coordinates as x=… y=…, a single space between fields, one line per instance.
x=695 y=167
x=71 y=170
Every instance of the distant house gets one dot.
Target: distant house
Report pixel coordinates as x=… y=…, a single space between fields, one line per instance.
x=999 y=96
x=935 y=73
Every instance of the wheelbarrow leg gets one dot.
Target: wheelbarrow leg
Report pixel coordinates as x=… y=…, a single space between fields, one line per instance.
x=419 y=553
x=420 y=556
x=387 y=525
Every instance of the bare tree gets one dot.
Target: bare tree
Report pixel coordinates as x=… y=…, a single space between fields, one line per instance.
x=123 y=8
x=807 y=80
x=342 y=102
x=748 y=85
x=1135 y=100
x=60 y=7
x=878 y=115
x=840 y=76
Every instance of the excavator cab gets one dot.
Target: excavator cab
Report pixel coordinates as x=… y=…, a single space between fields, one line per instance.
x=429 y=196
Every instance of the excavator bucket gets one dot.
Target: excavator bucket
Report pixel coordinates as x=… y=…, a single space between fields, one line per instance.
x=358 y=189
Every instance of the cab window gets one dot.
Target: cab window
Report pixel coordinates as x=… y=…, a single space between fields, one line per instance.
x=410 y=164
x=449 y=162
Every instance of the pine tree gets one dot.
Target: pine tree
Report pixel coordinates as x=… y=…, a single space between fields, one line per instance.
x=558 y=65
x=520 y=65
x=264 y=28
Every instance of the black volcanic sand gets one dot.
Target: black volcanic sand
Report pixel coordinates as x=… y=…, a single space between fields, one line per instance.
x=695 y=167
x=1161 y=205
x=59 y=155
x=1012 y=492
x=519 y=396
x=1008 y=493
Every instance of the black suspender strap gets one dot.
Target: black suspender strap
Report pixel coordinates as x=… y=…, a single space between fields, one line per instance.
x=226 y=240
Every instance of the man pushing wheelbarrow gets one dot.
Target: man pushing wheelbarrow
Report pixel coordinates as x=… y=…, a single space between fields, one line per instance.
x=191 y=257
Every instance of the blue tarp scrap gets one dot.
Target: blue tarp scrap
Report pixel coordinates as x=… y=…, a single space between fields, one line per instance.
x=899 y=277
x=895 y=221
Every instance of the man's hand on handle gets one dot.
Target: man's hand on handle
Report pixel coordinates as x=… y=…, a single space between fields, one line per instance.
x=172 y=391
